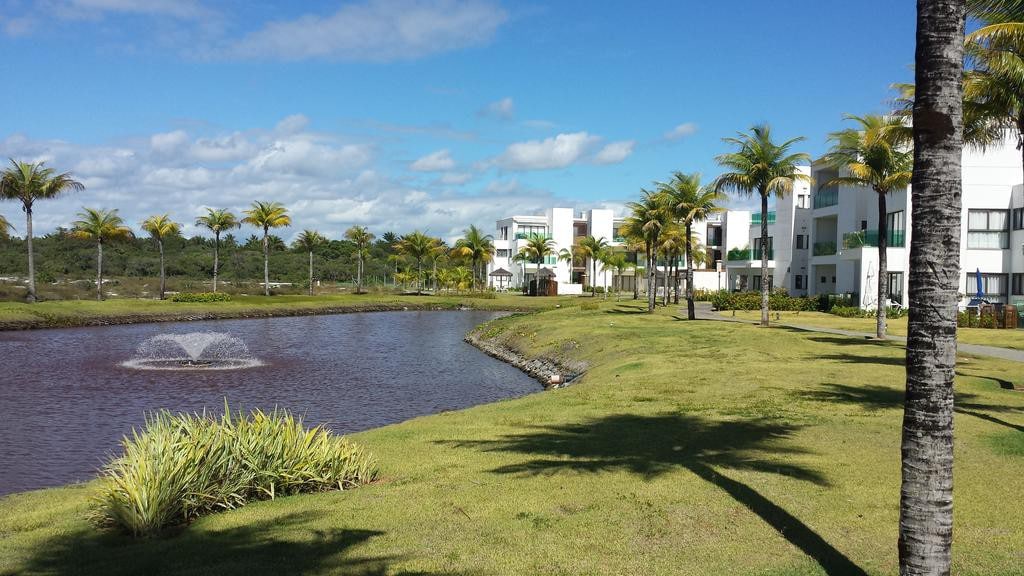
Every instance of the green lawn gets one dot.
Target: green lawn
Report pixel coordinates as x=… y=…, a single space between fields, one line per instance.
x=896 y=327
x=687 y=448
x=58 y=313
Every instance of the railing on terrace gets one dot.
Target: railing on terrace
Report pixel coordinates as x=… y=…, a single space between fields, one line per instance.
x=824 y=248
x=526 y=235
x=826 y=197
x=737 y=254
x=755 y=218
x=851 y=240
x=621 y=239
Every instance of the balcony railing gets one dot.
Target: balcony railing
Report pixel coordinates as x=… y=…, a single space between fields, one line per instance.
x=526 y=235
x=851 y=240
x=824 y=249
x=737 y=254
x=826 y=197
x=620 y=239
x=755 y=218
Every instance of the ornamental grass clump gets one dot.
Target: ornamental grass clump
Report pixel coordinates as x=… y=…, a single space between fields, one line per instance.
x=182 y=466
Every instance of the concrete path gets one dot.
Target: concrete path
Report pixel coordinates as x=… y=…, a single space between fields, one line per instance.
x=704 y=312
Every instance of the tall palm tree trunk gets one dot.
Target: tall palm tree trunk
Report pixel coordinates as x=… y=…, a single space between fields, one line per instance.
x=764 y=258
x=216 y=257
x=99 y=269
x=926 y=492
x=691 y=313
x=359 y=274
x=266 y=262
x=636 y=284
x=163 y=274
x=883 y=268
x=31 y=297
x=651 y=280
x=310 y=272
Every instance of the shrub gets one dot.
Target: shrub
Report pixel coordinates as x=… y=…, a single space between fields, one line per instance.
x=182 y=466
x=778 y=300
x=201 y=297
x=589 y=306
x=701 y=295
x=598 y=289
x=849 y=312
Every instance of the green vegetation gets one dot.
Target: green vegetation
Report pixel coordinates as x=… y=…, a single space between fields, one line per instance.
x=762 y=452
x=180 y=467
x=201 y=297
x=49 y=314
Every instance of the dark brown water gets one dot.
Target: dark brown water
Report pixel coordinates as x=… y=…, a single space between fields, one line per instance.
x=66 y=401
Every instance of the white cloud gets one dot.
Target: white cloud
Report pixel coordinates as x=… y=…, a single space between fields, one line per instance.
x=434 y=162
x=221 y=149
x=376 y=30
x=303 y=156
x=681 y=131
x=168 y=141
x=503 y=109
x=615 y=152
x=455 y=178
x=292 y=124
x=555 y=152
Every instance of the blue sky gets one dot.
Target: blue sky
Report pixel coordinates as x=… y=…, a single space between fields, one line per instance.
x=431 y=114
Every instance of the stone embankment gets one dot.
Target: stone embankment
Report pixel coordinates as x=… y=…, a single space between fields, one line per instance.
x=550 y=372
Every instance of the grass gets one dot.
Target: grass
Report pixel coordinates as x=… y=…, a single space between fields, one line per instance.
x=687 y=448
x=61 y=313
x=896 y=327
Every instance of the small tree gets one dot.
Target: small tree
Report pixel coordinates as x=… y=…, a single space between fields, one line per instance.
x=159 y=228
x=217 y=221
x=100 y=226
x=307 y=241
x=362 y=238
x=267 y=215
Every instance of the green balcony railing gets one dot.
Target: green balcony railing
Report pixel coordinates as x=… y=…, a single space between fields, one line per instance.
x=851 y=240
x=824 y=249
x=755 y=218
x=737 y=254
x=621 y=239
x=826 y=197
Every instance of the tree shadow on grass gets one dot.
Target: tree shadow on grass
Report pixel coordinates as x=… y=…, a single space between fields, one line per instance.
x=281 y=545
x=858 y=359
x=650 y=446
x=627 y=309
x=875 y=397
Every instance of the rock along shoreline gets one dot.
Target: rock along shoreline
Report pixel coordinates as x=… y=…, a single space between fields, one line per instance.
x=551 y=373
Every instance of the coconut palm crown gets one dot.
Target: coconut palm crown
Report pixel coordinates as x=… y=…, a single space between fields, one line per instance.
x=476 y=246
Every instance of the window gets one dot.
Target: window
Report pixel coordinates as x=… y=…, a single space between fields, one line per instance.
x=502 y=253
x=803 y=201
x=895 y=222
x=988 y=229
x=833 y=279
x=503 y=233
x=756 y=282
x=824 y=280
x=1018 y=218
x=896 y=286
x=714 y=235
x=863 y=224
x=757 y=248
x=1018 y=284
x=798 y=282
x=991 y=284
x=801 y=241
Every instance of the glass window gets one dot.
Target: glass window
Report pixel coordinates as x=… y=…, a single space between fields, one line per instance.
x=801 y=242
x=1018 y=286
x=988 y=229
x=502 y=253
x=798 y=282
x=1018 y=218
x=895 y=221
x=503 y=233
x=896 y=286
x=991 y=284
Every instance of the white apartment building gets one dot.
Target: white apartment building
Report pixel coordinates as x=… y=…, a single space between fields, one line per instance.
x=844 y=237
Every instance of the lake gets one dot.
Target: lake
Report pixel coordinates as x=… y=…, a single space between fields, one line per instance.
x=67 y=401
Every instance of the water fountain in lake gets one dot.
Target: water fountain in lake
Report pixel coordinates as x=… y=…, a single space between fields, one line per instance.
x=192 y=351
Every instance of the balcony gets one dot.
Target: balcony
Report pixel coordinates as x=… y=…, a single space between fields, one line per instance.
x=852 y=240
x=826 y=197
x=755 y=218
x=525 y=235
x=619 y=239
x=824 y=249
x=739 y=254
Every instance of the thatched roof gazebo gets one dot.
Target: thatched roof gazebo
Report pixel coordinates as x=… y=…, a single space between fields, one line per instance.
x=501 y=278
x=545 y=274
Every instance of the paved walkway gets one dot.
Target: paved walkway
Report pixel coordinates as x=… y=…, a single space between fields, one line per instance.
x=704 y=312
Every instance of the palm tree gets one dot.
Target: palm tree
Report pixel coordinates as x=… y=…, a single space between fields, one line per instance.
x=872 y=155
x=592 y=249
x=5 y=228
x=362 y=238
x=671 y=244
x=307 y=241
x=159 y=228
x=522 y=258
x=690 y=202
x=616 y=261
x=926 y=492
x=476 y=246
x=760 y=166
x=439 y=251
x=537 y=248
x=267 y=215
x=101 y=226
x=217 y=221
x=419 y=247
x=649 y=217
x=26 y=183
